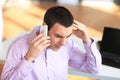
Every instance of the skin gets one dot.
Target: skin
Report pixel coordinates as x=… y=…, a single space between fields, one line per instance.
x=81 y=32
x=58 y=36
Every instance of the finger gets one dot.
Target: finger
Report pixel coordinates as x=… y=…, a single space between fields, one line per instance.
x=76 y=22
x=38 y=37
x=75 y=27
x=42 y=40
x=45 y=44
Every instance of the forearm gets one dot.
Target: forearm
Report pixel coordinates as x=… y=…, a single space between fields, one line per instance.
x=17 y=72
x=87 y=61
x=93 y=58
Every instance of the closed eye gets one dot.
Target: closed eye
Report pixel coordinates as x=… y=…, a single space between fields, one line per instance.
x=69 y=35
x=58 y=36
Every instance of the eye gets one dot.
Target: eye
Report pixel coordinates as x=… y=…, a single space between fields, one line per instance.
x=58 y=36
x=69 y=35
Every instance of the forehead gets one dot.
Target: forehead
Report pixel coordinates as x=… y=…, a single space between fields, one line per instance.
x=62 y=30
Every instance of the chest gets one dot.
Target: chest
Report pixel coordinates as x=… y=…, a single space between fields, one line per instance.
x=52 y=65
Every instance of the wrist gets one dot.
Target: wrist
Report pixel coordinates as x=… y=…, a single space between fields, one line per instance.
x=87 y=40
x=29 y=59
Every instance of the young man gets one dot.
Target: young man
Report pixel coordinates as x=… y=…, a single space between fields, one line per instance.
x=36 y=57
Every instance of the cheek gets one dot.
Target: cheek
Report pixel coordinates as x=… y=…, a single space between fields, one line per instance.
x=54 y=40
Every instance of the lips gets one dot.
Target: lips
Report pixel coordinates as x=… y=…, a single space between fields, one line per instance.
x=58 y=46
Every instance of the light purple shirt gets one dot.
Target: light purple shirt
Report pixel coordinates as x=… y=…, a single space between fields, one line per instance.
x=50 y=65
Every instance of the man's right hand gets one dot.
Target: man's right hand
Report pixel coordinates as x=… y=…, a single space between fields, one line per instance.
x=36 y=46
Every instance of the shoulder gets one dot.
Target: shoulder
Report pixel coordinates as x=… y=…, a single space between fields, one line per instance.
x=20 y=41
x=19 y=46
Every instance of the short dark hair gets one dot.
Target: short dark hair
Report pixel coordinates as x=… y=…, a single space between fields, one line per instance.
x=58 y=14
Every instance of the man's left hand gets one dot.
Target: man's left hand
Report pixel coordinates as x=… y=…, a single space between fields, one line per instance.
x=80 y=30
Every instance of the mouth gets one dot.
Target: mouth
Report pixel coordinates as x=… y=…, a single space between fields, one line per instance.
x=57 y=46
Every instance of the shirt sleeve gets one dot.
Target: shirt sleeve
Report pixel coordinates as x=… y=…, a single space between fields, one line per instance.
x=16 y=67
x=86 y=61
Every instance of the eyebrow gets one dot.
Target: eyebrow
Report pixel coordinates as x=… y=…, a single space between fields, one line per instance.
x=62 y=36
x=69 y=35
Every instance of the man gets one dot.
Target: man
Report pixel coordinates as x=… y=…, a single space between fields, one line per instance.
x=37 y=57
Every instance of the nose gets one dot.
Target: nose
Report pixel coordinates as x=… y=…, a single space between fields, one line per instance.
x=63 y=41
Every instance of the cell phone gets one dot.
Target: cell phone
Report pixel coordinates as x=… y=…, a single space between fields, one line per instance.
x=45 y=28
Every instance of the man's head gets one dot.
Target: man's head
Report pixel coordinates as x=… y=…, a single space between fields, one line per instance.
x=58 y=14
x=59 y=21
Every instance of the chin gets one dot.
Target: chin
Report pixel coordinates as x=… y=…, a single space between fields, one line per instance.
x=54 y=49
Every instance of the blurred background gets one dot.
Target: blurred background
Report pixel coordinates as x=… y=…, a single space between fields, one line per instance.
x=17 y=16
